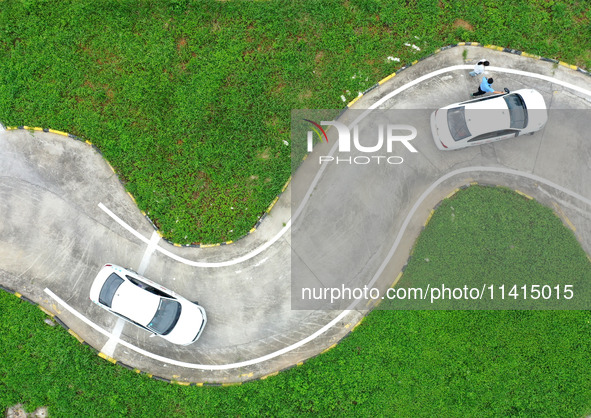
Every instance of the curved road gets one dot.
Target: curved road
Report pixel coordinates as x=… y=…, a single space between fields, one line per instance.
x=64 y=214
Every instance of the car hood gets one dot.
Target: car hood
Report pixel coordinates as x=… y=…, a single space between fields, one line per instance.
x=536 y=109
x=98 y=283
x=190 y=322
x=533 y=99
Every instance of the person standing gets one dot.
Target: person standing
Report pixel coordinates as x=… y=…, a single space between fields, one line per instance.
x=479 y=67
x=485 y=87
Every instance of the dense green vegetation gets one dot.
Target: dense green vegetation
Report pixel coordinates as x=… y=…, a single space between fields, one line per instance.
x=190 y=100
x=465 y=245
x=396 y=363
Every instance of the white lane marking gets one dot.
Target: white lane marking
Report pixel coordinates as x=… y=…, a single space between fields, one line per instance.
x=261 y=262
x=123 y=224
x=455 y=173
x=148 y=253
x=543 y=77
x=336 y=320
x=111 y=344
x=180 y=259
x=468 y=67
x=411 y=84
x=304 y=201
x=192 y=365
x=109 y=347
x=323 y=167
x=565 y=203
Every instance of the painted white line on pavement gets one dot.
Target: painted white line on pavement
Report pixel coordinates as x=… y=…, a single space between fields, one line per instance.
x=336 y=320
x=412 y=84
x=469 y=67
x=109 y=347
x=183 y=260
x=191 y=365
x=123 y=224
x=323 y=166
x=455 y=173
x=148 y=253
x=298 y=211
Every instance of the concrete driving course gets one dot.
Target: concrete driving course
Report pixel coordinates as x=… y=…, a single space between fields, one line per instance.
x=65 y=214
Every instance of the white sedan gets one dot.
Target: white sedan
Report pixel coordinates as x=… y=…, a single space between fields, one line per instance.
x=489 y=118
x=148 y=305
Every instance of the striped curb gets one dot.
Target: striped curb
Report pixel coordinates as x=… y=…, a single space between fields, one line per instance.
x=492 y=47
x=373 y=303
x=558 y=212
x=347 y=107
x=164 y=379
x=193 y=245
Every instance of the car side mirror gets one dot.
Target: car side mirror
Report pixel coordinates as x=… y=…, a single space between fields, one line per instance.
x=506 y=90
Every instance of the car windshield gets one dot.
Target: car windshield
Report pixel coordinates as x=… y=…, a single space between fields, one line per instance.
x=456 y=121
x=517 y=110
x=109 y=289
x=166 y=317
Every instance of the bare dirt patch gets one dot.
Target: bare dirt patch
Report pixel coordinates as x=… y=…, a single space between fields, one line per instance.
x=181 y=44
x=460 y=23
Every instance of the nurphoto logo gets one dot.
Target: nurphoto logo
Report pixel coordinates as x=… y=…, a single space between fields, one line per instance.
x=373 y=146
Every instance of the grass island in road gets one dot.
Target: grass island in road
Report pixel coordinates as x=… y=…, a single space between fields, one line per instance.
x=190 y=101
x=396 y=363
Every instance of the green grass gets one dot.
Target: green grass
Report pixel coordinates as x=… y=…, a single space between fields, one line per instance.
x=396 y=363
x=464 y=245
x=190 y=100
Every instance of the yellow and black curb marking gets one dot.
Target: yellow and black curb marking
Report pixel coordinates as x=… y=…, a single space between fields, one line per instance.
x=493 y=47
x=557 y=212
x=372 y=305
x=194 y=245
x=53 y=317
x=349 y=105
x=102 y=355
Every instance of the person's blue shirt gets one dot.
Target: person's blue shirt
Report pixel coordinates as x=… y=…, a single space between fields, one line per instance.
x=484 y=86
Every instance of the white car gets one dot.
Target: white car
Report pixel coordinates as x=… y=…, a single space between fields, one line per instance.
x=489 y=118
x=148 y=305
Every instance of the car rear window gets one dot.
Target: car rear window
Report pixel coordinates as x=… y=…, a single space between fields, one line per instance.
x=517 y=110
x=166 y=316
x=109 y=289
x=456 y=121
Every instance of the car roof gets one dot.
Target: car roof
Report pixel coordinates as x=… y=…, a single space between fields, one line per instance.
x=135 y=303
x=479 y=121
x=487 y=116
